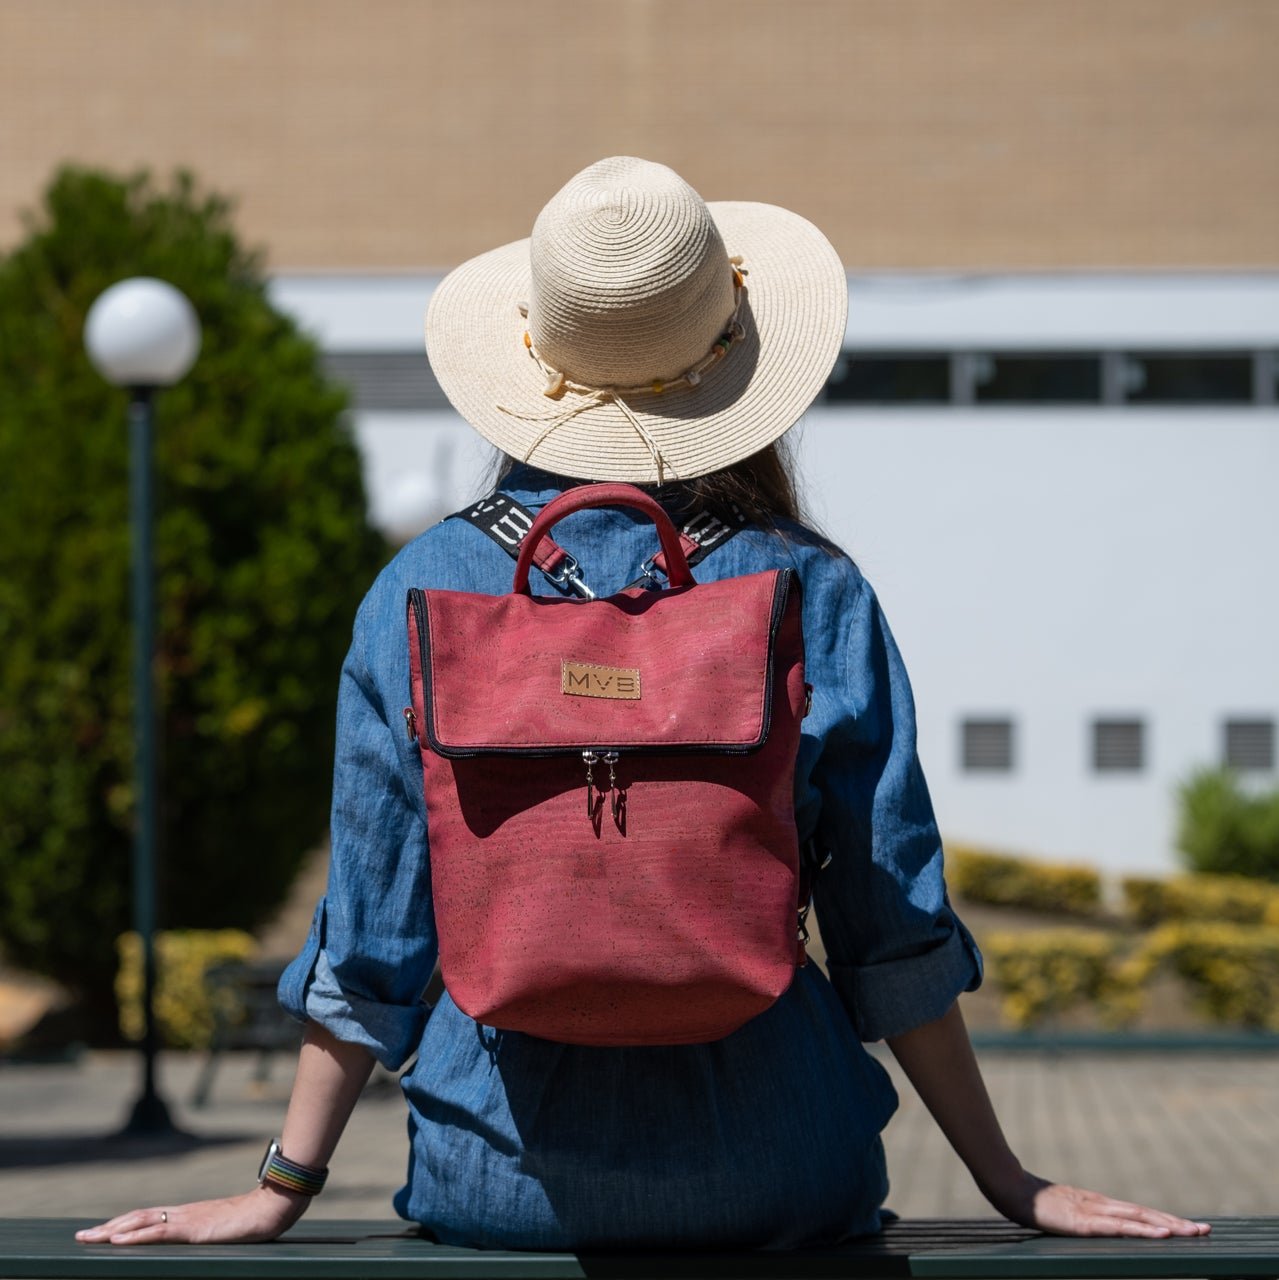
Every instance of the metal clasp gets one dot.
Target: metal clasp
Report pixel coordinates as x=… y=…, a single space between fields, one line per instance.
x=569 y=575
x=649 y=577
x=802 y=923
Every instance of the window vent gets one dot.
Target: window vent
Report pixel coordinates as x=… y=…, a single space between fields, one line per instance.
x=1250 y=744
x=987 y=745
x=388 y=380
x=1118 y=746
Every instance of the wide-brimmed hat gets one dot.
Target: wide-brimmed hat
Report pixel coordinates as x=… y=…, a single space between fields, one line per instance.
x=640 y=333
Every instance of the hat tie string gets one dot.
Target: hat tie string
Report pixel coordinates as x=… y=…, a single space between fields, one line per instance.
x=602 y=395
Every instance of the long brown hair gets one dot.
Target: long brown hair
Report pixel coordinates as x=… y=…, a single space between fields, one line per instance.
x=762 y=487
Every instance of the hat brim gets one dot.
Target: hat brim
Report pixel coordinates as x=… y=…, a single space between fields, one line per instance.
x=794 y=319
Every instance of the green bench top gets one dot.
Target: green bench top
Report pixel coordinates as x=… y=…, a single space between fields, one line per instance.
x=369 y=1250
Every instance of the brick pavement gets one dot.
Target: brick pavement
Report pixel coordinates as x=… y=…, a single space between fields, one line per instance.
x=1191 y=1132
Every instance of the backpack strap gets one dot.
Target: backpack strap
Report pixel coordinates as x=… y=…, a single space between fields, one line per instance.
x=703 y=532
x=506 y=522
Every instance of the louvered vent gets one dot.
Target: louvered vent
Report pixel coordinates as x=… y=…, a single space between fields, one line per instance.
x=987 y=745
x=1118 y=745
x=1250 y=744
x=388 y=380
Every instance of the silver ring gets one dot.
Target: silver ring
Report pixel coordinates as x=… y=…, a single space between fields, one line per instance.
x=164 y=1216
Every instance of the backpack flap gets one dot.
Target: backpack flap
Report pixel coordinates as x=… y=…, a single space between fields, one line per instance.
x=684 y=670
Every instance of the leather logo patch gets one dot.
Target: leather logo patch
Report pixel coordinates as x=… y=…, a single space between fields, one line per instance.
x=589 y=680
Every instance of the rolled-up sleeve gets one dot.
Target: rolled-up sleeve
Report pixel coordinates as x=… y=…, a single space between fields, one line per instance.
x=897 y=954
x=371 y=948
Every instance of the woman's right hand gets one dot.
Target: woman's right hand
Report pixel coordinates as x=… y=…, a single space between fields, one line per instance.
x=260 y=1214
x=1073 y=1211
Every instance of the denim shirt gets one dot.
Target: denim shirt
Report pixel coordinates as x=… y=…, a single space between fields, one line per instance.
x=769 y=1137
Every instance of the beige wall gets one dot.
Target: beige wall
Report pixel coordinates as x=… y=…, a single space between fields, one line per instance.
x=919 y=133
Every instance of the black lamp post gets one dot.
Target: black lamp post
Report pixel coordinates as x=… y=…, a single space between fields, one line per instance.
x=143 y=334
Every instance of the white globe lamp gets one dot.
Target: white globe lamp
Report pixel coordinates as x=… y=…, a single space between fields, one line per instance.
x=142 y=333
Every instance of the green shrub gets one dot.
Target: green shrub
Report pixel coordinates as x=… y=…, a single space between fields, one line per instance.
x=1226 y=830
x=186 y=1006
x=1236 y=899
x=1005 y=881
x=1041 y=973
x=262 y=551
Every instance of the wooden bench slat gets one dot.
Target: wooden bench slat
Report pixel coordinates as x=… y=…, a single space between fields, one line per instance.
x=44 y=1249
x=1236 y=1247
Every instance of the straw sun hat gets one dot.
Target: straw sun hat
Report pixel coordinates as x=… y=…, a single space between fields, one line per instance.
x=640 y=334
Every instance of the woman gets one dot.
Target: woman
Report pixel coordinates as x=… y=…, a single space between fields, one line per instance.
x=641 y=335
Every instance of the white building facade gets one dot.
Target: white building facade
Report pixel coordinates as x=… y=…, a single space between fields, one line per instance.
x=1064 y=489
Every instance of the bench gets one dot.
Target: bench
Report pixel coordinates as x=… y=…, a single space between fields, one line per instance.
x=246 y=1015
x=370 y=1250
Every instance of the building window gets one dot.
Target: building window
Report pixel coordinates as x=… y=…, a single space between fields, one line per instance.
x=1037 y=379
x=1250 y=744
x=986 y=745
x=1189 y=379
x=1118 y=746
x=889 y=379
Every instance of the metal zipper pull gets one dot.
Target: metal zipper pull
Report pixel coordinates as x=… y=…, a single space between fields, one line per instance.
x=410 y=722
x=616 y=794
x=591 y=760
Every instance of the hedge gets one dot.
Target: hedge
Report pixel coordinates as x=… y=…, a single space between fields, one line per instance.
x=1042 y=973
x=185 y=1008
x=1006 y=881
x=1233 y=899
x=1231 y=971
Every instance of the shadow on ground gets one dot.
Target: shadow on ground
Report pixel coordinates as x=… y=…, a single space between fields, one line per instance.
x=95 y=1148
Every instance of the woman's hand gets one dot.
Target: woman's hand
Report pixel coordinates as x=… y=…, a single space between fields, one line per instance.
x=260 y=1214
x=938 y=1058
x=1072 y=1211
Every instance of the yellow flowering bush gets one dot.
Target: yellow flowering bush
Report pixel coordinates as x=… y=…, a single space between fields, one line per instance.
x=1239 y=899
x=187 y=1007
x=1045 y=972
x=1232 y=970
x=1002 y=880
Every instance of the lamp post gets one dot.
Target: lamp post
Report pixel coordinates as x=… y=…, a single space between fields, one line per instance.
x=143 y=334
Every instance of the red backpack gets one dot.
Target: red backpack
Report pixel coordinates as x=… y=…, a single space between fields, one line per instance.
x=609 y=794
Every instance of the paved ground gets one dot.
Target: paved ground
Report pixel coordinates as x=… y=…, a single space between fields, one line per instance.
x=1191 y=1132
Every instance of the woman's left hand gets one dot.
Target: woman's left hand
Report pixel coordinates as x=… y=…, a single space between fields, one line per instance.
x=1072 y=1211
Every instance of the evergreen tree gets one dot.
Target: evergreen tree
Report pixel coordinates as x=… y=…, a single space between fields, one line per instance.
x=262 y=554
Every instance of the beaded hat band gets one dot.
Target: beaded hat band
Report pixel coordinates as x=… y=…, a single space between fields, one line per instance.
x=623 y=342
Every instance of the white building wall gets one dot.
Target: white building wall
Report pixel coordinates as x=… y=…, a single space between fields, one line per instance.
x=1054 y=566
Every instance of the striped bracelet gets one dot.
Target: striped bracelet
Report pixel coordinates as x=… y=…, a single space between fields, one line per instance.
x=281 y=1172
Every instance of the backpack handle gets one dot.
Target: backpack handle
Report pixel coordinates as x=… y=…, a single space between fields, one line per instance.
x=678 y=573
